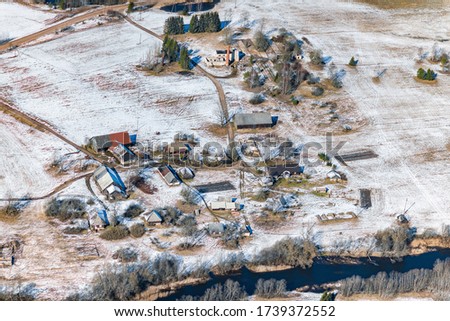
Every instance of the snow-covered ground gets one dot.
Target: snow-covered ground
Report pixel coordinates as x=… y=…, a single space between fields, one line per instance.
x=18 y=20
x=25 y=157
x=85 y=84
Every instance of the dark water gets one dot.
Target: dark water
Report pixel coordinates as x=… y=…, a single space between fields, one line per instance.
x=190 y=7
x=322 y=271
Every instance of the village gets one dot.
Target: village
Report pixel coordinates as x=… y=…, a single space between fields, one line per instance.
x=251 y=131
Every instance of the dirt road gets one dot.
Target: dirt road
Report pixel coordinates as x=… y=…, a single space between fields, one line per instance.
x=219 y=88
x=34 y=122
x=85 y=16
x=50 y=194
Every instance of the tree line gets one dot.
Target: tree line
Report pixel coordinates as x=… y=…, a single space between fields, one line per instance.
x=436 y=280
x=206 y=22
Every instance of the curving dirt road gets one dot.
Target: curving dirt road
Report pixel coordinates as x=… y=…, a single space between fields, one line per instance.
x=57 y=189
x=219 y=88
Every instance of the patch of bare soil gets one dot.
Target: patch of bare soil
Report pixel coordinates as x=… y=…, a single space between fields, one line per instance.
x=106 y=83
x=337 y=115
x=216 y=130
x=31 y=84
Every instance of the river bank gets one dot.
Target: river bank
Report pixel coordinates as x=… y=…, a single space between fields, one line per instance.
x=324 y=272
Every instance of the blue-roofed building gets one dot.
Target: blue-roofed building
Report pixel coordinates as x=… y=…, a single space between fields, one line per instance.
x=109 y=182
x=249 y=229
x=98 y=220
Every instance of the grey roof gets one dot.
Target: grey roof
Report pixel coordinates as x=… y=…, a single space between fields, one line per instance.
x=216 y=228
x=253 y=119
x=102 y=141
x=153 y=217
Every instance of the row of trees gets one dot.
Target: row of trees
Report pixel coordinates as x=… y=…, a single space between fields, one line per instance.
x=174 y=26
x=385 y=285
x=206 y=22
x=233 y=291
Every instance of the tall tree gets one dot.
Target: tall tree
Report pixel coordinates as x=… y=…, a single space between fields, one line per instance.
x=184 y=58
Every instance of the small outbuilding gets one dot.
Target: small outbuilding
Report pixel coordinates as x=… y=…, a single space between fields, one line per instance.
x=169 y=175
x=153 y=218
x=253 y=120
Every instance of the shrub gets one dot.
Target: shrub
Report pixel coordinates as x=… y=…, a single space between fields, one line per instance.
x=296 y=252
x=188 y=225
x=18 y=293
x=137 y=230
x=115 y=233
x=133 y=210
x=317 y=91
x=261 y=41
x=190 y=196
x=353 y=62
x=165 y=268
x=66 y=208
x=312 y=80
x=316 y=57
x=328 y=296
x=125 y=255
x=394 y=241
x=429 y=75
x=74 y=230
x=231 y=263
x=270 y=288
x=170 y=215
x=119 y=284
x=12 y=209
x=257 y=99
x=232 y=236
x=185 y=246
x=130 y=7
x=324 y=157
x=262 y=195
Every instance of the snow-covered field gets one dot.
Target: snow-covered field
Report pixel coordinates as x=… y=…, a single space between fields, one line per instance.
x=17 y=20
x=26 y=155
x=85 y=84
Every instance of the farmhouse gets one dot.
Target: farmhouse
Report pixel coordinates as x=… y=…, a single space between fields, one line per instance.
x=99 y=220
x=153 y=218
x=223 y=58
x=109 y=182
x=169 y=175
x=103 y=142
x=225 y=205
x=284 y=171
x=253 y=120
x=123 y=154
x=178 y=148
